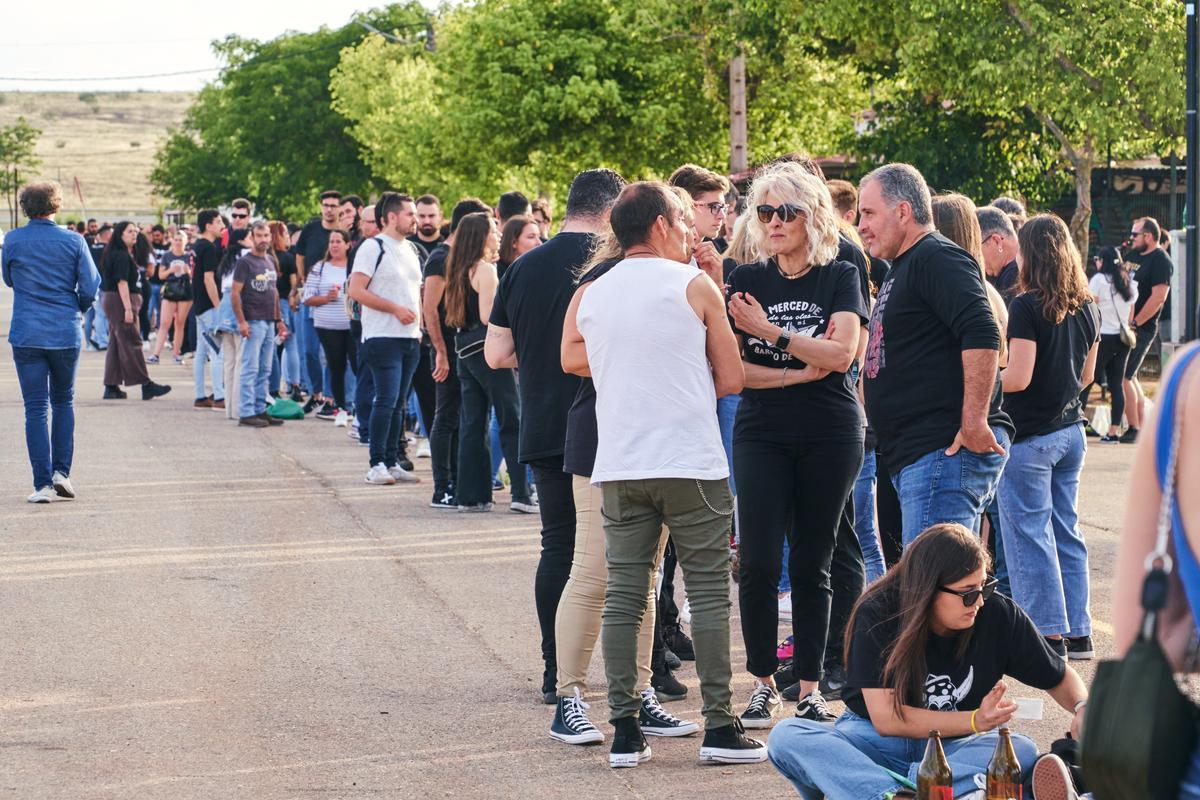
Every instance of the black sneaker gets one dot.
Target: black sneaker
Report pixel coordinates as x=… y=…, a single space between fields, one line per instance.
x=1079 y=648
x=404 y=463
x=1129 y=436
x=666 y=686
x=729 y=744
x=549 y=686
x=629 y=746
x=571 y=723
x=296 y=395
x=327 y=411
x=678 y=642
x=655 y=721
x=672 y=660
x=833 y=683
x=114 y=393
x=312 y=403
x=1106 y=439
x=813 y=707
x=1059 y=646
x=444 y=500
x=1088 y=430
x=791 y=692
x=760 y=711
x=151 y=390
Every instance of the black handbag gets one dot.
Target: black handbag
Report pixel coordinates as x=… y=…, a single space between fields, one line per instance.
x=1140 y=730
x=177 y=288
x=468 y=343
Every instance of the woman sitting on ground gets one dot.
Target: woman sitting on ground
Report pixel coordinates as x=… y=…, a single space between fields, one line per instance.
x=930 y=645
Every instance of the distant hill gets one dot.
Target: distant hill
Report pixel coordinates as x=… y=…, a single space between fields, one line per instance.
x=105 y=139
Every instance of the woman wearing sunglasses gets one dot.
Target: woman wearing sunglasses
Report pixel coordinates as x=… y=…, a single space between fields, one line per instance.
x=1054 y=333
x=929 y=647
x=798 y=436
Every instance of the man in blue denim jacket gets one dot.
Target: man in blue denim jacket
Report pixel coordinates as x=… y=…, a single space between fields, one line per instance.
x=53 y=279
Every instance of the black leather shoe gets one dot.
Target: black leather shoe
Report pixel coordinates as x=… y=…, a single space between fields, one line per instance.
x=114 y=393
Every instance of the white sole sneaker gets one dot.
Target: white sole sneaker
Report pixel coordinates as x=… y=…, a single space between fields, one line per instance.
x=625 y=760
x=719 y=755
x=591 y=737
x=1052 y=781
x=62 y=486
x=523 y=508
x=686 y=729
x=41 y=496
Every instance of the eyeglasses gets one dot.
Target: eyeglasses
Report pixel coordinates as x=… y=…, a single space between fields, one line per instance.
x=971 y=596
x=787 y=212
x=239 y=216
x=716 y=209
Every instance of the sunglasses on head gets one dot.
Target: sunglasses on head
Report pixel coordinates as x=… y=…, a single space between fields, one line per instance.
x=971 y=596
x=787 y=212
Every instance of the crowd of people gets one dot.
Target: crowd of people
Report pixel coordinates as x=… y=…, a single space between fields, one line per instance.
x=864 y=404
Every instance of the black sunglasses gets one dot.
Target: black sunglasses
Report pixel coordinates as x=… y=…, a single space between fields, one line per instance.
x=239 y=216
x=787 y=212
x=971 y=596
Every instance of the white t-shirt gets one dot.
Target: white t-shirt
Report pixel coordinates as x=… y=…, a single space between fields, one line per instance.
x=1112 y=306
x=398 y=280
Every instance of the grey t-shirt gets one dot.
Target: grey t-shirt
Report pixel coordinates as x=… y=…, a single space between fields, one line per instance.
x=260 y=298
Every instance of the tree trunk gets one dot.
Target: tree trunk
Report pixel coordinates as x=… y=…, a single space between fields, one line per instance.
x=1082 y=218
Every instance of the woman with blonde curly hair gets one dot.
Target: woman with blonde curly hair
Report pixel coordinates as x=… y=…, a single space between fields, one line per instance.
x=798 y=438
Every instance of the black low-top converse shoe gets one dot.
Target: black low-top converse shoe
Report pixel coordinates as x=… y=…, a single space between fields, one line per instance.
x=729 y=744
x=812 y=706
x=655 y=721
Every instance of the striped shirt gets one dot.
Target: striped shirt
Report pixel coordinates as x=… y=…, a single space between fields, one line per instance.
x=332 y=315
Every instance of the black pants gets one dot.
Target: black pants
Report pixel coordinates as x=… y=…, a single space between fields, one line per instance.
x=443 y=437
x=484 y=388
x=1111 y=358
x=426 y=388
x=557 y=502
x=797 y=489
x=341 y=350
x=887 y=511
x=667 y=613
x=847 y=578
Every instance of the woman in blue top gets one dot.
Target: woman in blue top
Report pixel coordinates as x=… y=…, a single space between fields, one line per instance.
x=53 y=278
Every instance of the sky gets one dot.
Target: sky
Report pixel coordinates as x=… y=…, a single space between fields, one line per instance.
x=82 y=40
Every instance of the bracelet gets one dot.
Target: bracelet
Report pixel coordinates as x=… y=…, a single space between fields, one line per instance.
x=973 y=728
x=783 y=380
x=1080 y=705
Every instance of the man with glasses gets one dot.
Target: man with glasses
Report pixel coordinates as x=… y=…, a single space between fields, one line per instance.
x=310 y=249
x=239 y=214
x=1153 y=278
x=999 y=250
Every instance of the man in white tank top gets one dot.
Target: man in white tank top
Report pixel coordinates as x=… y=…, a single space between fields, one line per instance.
x=654 y=336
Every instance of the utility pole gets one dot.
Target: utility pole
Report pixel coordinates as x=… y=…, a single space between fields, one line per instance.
x=739 y=157
x=1193 y=175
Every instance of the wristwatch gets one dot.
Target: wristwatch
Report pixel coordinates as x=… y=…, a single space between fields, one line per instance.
x=783 y=341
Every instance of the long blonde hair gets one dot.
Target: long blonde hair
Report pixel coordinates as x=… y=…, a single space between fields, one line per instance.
x=739 y=244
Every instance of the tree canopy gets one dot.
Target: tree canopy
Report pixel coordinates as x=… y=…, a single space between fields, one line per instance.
x=17 y=144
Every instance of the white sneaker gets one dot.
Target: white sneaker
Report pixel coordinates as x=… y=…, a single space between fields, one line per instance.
x=423 y=450
x=380 y=476
x=517 y=507
x=401 y=475
x=685 y=613
x=785 y=607
x=341 y=419
x=63 y=487
x=42 y=495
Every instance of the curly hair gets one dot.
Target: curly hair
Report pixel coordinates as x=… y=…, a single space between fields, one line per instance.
x=794 y=184
x=41 y=199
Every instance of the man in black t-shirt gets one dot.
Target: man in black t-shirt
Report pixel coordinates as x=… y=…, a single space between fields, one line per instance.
x=930 y=377
x=443 y=437
x=206 y=297
x=999 y=251
x=525 y=331
x=309 y=249
x=1153 y=278
x=429 y=223
x=95 y=323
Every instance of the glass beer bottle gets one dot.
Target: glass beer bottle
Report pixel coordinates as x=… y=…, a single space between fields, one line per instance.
x=935 y=781
x=1004 y=771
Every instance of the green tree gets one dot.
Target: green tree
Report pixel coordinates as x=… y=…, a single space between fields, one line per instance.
x=17 y=144
x=267 y=130
x=1094 y=73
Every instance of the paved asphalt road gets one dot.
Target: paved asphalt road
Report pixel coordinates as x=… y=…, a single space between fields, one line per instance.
x=232 y=613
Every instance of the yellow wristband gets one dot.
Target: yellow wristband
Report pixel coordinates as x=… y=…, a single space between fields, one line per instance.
x=973 y=728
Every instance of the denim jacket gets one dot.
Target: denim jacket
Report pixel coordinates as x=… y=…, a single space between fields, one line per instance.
x=52 y=276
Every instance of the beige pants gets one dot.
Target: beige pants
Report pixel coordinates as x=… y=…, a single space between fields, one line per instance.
x=231 y=351
x=577 y=622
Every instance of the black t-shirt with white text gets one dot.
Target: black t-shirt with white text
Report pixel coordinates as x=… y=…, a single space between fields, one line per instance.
x=1051 y=401
x=931 y=308
x=118 y=266
x=206 y=258
x=827 y=408
x=532 y=301
x=1003 y=641
x=1155 y=269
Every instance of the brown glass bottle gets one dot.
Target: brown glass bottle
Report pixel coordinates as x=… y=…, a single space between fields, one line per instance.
x=1004 y=771
x=935 y=781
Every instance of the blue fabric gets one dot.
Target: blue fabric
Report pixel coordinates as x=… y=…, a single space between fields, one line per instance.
x=1185 y=559
x=1000 y=565
x=95 y=324
x=256 y=368
x=1045 y=550
x=52 y=276
x=940 y=488
x=864 y=520
x=155 y=306
x=393 y=362
x=47 y=378
x=726 y=414
x=208 y=350
x=290 y=361
x=364 y=395
x=846 y=760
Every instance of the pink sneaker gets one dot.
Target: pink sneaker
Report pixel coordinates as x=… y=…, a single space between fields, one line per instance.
x=784 y=652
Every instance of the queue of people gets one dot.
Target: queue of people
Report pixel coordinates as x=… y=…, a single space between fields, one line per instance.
x=686 y=383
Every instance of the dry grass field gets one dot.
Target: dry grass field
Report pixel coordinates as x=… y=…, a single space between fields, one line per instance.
x=105 y=139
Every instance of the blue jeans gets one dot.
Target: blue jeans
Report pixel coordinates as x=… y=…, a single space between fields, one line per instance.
x=364 y=396
x=208 y=349
x=256 y=368
x=155 y=305
x=290 y=365
x=1045 y=552
x=47 y=379
x=999 y=565
x=95 y=324
x=864 y=519
x=846 y=760
x=726 y=413
x=312 y=359
x=940 y=488
x=392 y=362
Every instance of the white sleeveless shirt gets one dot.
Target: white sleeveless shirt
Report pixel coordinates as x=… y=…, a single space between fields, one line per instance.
x=656 y=404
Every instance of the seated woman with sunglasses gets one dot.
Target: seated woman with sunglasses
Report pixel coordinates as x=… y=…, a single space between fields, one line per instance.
x=930 y=645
